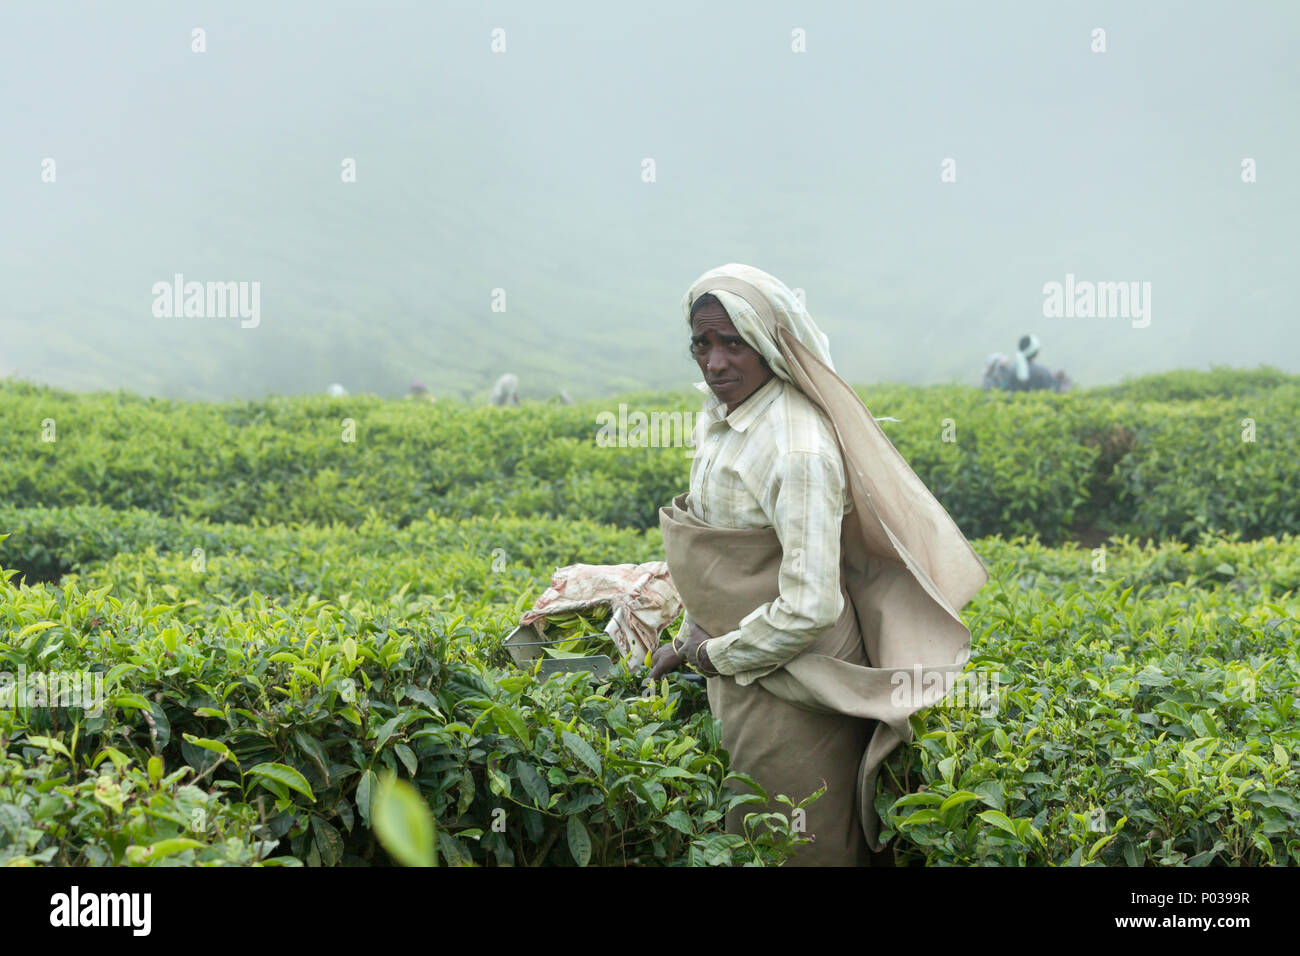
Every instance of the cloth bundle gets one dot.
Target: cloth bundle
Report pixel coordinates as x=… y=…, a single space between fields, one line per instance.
x=641 y=598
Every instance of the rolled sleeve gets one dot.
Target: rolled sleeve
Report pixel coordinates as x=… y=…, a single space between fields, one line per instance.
x=807 y=506
x=684 y=631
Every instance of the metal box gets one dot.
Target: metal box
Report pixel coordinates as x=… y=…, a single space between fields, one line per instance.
x=525 y=644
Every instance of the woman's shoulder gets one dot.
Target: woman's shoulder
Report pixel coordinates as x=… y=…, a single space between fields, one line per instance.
x=806 y=428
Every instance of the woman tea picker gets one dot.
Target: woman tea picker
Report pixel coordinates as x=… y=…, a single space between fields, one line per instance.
x=822 y=580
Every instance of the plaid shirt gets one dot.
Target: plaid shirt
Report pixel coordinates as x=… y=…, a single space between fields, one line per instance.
x=774 y=462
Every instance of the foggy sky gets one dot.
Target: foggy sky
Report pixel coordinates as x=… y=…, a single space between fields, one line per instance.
x=522 y=171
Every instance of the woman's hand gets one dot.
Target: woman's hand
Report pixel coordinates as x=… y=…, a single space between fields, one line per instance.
x=663 y=661
x=694 y=639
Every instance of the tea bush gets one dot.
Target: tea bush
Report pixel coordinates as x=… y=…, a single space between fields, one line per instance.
x=1156 y=726
x=118 y=813
x=284 y=715
x=1184 y=384
x=1138 y=459
x=1155 y=668
x=1197 y=471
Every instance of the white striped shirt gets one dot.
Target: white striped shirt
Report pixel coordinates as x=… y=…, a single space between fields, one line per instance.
x=774 y=462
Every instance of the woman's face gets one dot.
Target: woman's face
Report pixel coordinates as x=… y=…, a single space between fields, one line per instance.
x=731 y=367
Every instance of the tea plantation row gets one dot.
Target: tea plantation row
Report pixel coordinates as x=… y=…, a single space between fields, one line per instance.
x=1141 y=459
x=1143 y=705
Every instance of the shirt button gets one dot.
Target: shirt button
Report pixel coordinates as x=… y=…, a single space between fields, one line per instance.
x=717 y=437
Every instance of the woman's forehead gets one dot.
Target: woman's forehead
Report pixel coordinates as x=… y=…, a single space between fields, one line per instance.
x=712 y=317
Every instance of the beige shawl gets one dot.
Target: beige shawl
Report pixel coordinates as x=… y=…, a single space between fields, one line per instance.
x=907 y=567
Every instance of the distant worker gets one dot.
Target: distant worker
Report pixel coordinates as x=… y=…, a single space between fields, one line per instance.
x=336 y=391
x=566 y=398
x=1020 y=373
x=419 y=393
x=505 y=391
x=1030 y=376
x=998 y=372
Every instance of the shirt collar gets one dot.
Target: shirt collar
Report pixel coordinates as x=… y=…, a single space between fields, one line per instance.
x=748 y=411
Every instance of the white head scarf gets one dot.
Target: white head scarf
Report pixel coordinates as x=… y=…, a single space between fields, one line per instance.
x=1024 y=355
x=784 y=307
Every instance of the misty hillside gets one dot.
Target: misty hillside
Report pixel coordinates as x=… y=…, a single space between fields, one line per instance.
x=522 y=171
